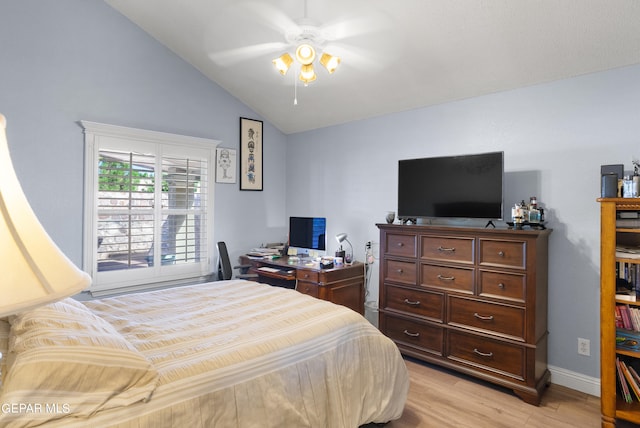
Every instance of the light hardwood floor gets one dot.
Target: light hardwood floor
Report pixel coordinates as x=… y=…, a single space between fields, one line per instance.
x=442 y=398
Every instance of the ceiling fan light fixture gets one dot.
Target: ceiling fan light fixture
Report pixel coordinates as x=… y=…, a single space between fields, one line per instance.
x=283 y=63
x=305 y=54
x=330 y=62
x=307 y=74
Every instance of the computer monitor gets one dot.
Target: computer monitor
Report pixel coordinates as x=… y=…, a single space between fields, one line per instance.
x=308 y=234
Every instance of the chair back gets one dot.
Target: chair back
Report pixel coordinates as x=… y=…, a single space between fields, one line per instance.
x=224 y=264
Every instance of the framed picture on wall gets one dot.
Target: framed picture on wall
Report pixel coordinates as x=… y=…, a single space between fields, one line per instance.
x=251 y=151
x=226 y=164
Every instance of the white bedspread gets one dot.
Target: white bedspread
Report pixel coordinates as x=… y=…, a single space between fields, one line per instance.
x=241 y=354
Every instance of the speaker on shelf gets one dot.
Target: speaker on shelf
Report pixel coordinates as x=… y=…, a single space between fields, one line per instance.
x=610 y=174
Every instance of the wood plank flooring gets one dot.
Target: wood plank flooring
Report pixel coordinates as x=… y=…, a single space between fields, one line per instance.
x=442 y=398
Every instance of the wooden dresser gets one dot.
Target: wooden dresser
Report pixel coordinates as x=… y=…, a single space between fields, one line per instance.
x=469 y=299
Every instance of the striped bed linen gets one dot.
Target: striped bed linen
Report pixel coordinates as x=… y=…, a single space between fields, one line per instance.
x=242 y=354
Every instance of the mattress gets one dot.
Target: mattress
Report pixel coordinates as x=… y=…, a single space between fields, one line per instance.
x=242 y=354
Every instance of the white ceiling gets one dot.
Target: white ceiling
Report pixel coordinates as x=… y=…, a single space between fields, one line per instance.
x=396 y=55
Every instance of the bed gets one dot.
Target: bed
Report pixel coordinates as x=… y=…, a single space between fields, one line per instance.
x=220 y=354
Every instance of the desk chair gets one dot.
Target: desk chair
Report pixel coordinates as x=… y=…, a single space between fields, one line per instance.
x=224 y=265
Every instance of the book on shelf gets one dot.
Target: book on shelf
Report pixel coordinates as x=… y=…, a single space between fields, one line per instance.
x=626 y=295
x=628 y=214
x=627 y=281
x=618 y=317
x=631 y=382
x=627 y=317
x=634 y=375
x=627 y=252
x=624 y=387
x=628 y=223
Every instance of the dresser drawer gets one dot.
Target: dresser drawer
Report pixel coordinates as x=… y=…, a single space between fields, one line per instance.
x=402 y=272
x=308 y=288
x=493 y=355
x=503 y=253
x=425 y=304
x=448 y=278
x=400 y=245
x=425 y=337
x=507 y=286
x=494 y=318
x=450 y=249
x=306 y=275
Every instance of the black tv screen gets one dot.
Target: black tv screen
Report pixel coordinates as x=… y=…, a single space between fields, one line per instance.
x=308 y=233
x=465 y=186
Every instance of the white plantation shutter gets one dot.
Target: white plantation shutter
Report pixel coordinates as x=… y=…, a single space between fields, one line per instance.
x=149 y=207
x=126 y=220
x=183 y=209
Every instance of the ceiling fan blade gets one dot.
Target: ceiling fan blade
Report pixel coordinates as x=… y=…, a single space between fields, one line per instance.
x=234 y=56
x=267 y=15
x=359 y=58
x=356 y=26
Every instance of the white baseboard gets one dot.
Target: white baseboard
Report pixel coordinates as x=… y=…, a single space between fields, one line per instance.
x=579 y=382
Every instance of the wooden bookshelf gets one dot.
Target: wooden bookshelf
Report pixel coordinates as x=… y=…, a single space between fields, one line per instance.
x=613 y=405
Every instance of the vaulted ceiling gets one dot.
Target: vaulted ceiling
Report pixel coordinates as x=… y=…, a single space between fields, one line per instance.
x=396 y=55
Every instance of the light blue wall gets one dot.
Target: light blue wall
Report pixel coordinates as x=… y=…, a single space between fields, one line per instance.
x=555 y=137
x=68 y=60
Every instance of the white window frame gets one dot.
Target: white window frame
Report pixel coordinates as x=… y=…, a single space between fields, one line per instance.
x=103 y=136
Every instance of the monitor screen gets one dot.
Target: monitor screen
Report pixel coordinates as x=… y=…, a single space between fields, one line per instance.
x=308 y=233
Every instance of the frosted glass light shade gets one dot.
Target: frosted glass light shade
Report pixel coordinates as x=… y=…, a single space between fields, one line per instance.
x=34 y=270
x=307 y=74
x=283 y=62
x=329 y=62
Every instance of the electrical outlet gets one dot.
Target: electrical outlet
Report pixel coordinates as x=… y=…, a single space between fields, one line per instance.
x=584 y=347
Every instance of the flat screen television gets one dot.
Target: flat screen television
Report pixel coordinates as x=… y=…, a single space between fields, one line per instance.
x=308 y=234
x=464 y=187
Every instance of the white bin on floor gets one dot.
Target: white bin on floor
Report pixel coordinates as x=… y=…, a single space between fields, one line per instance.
x=371 y=312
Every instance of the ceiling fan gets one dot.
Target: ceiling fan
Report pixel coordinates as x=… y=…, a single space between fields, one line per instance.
x=296 y=43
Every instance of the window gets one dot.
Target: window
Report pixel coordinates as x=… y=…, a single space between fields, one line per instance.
x=148 y=207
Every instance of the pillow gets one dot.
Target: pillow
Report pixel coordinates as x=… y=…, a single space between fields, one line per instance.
x=65 y=360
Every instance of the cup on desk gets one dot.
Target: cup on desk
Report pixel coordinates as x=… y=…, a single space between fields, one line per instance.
x=338 y=261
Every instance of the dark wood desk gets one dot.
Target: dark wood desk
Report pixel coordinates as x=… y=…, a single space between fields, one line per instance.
x=343 y=285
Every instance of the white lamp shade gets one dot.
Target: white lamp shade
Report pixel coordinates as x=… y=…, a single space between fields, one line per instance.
x=341 y=237
x=34 y=270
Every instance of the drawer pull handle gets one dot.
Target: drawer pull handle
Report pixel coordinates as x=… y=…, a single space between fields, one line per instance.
x=501 y=285
x=483 y=354
x=411 y=334
x=399 y=271
x=501 y=253
x=412 y=303
x=483 y=318
x=443 y=249
x=446 y=278
x=400 y=244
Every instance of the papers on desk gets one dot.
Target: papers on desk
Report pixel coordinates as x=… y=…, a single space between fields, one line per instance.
x=268 y=269
x=263 y=252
